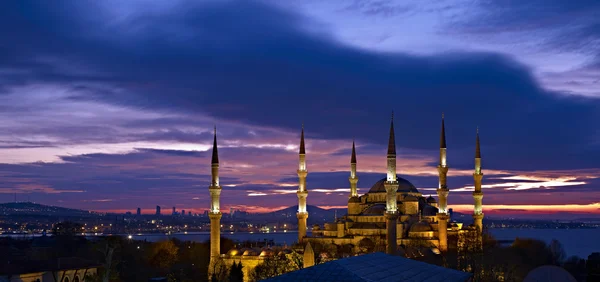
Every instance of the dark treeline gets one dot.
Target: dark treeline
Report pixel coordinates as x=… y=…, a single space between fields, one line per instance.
x=123 y=259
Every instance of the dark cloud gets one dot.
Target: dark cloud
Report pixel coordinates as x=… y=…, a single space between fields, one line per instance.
x=265 y=68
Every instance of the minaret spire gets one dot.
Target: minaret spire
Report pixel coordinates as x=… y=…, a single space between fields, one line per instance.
x=353 y=158
x=215 y=152
x=392 y=140
x=477 y=146
x=215 y=210
x=302 y=150
x=478 y=194
x=391 y=188
x=353 y=201
x=443 y=134
x=302 y=193
x=443 y=192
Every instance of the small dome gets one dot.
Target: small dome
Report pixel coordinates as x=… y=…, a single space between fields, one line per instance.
x=250 y=252
x=376 y=209
x=403 y=186
x=549 y=273
x=431 y=200
x=234 y=252
x=421 y=227
x=430 y=211
x=266 y=252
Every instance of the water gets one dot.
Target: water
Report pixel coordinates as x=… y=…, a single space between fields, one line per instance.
x=576 y=242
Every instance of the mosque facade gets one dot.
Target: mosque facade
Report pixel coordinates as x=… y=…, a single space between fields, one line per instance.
x=393 y=213
x=392 y=216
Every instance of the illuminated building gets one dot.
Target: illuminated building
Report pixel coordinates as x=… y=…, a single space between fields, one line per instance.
x=393 y=214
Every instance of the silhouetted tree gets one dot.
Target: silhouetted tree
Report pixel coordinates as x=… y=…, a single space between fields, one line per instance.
x=576 y=266
x=235 y=272
x=557 y=252
x=162 y=255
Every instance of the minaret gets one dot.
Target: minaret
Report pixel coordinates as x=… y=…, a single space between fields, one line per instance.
x=302 y=192
x=442 y=193
x=478 y=194
x=353 y=201
x=215 y=212
x=391 y=187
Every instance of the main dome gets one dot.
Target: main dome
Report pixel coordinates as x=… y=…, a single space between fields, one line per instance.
x=403 y=186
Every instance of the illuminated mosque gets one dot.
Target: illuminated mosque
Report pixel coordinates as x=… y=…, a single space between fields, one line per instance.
x=392 y=216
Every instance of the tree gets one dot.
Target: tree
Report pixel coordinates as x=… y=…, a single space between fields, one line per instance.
x=557 y=252
x=576 y=266
x=219 y=270
x=235 y=272
x=271 y=267
x=163 y=255
x=66 y=229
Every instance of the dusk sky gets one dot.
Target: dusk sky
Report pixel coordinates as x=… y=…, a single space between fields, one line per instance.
x=110 y=105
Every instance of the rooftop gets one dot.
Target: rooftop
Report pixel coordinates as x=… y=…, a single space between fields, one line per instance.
x=375 y=267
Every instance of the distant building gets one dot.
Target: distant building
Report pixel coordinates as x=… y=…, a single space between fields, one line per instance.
x=139 y=211
x=66 y=269
x=190 y=213
x=182 y=212
x=157 y=210
x=174 y=212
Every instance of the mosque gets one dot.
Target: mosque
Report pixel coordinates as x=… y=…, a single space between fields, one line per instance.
x=393 y=215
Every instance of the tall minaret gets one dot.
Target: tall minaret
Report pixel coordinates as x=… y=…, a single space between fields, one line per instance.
x=442 y=193
x=353 y=201
x=478 y=194
x=215 y=212
x=391 y=187
x=302 y=192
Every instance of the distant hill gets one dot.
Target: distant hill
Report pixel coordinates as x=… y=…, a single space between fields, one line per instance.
x=29 y=208
x=316 y=214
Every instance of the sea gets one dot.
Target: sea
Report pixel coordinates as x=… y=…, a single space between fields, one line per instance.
x=576 y=242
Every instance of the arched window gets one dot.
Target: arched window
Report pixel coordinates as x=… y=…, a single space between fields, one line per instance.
x=66 y=279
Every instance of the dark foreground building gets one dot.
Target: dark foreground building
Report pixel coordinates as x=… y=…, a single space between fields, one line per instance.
x=375 y=267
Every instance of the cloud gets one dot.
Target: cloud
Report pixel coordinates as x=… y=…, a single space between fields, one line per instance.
x=137 y=89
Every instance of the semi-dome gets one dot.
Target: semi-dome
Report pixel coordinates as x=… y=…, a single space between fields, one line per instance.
x=353 y=200
x=376 y=209
x=411 y=198
x=403 y=186
x=420 y=227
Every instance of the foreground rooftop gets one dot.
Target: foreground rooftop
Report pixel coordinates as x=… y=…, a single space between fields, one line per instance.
x=375 y=267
